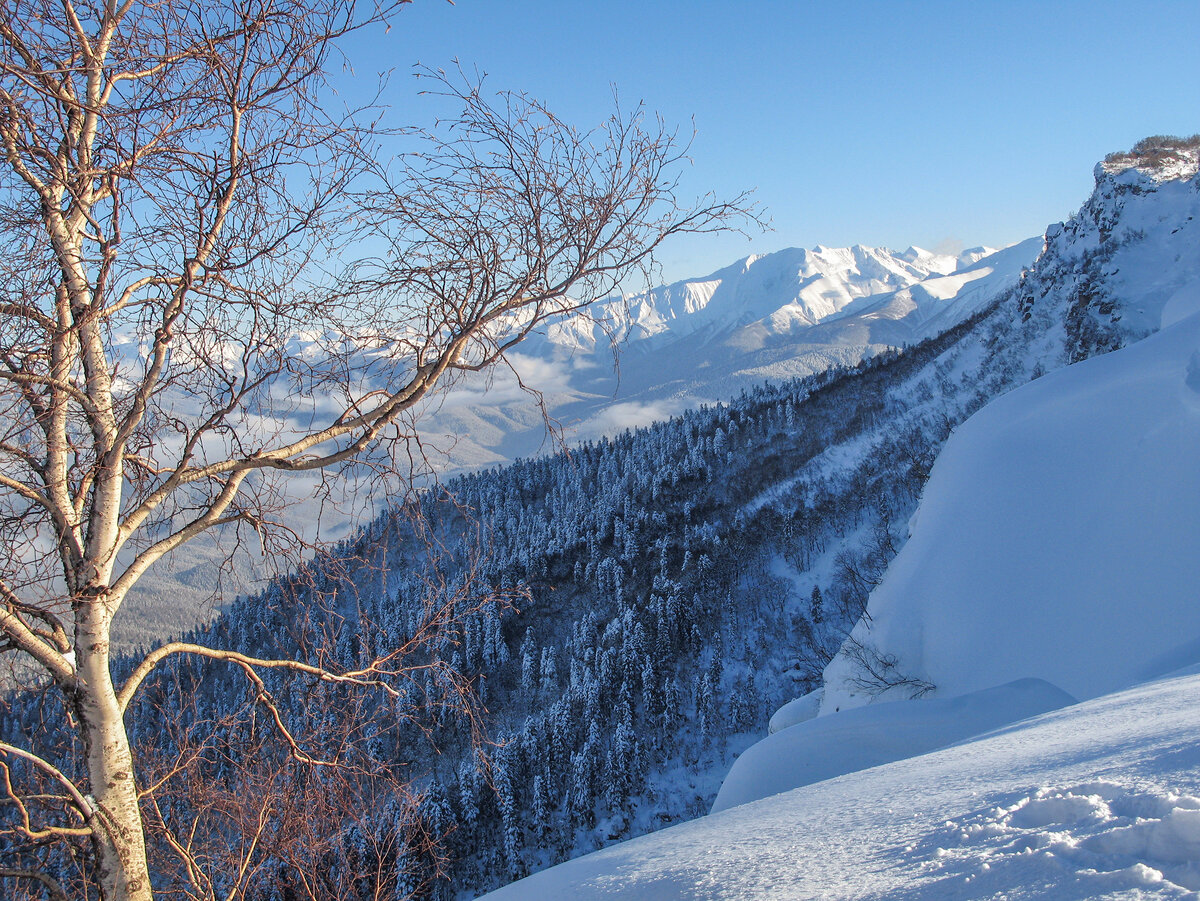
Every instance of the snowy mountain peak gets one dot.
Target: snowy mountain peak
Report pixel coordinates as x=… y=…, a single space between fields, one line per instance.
x=1127 y=262
x=973 y=255
x=780 y=315
x=778 y=292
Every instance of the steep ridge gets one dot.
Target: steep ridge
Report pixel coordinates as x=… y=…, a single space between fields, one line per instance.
x=1125 y=264
x=1110 y=438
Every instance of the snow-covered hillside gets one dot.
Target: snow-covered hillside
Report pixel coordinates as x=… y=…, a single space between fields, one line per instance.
x=1096 y=800
x=1052 y=514
x=1057 y=542
x=1055 y=556
x=791 y=313
x=1058 y=539
x=1067 y=501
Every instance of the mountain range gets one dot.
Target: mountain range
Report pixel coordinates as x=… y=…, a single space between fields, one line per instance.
x=631 y=360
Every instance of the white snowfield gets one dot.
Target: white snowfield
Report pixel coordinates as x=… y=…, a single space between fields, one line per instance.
x=1096 y=800
x=1058 y=539
x=831 y=746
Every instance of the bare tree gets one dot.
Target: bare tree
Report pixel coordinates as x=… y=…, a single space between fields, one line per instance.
x=177 y=336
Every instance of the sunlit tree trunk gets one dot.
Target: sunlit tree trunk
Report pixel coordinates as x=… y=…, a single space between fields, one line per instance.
x=118 y=837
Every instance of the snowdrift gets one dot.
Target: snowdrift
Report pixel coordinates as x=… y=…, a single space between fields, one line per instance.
x=1058 y=537
x=869 y=736
x=1097 y=800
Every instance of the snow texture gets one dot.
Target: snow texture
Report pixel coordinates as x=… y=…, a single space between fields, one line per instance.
x=829 y=746
x=797 y=711
x=1096 y=800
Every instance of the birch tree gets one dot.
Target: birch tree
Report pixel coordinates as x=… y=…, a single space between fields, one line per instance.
x=182 y=328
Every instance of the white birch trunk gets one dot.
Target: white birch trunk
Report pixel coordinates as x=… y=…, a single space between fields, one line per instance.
x=118 y=838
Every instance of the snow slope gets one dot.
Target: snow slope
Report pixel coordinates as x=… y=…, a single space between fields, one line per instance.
x=1058 y=537
x=831 y=746
x=1096 y=800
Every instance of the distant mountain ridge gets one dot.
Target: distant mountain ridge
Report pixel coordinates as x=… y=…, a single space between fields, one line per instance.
x=785 y=290
x=786 y=314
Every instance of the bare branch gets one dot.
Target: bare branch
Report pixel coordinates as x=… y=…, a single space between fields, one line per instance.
x=82 y=806
x=49 y=883
x=183 y=327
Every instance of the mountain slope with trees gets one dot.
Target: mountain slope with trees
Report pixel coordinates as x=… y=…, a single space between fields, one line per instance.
x=1055 y=541
x=184 y=336
x=629 y=612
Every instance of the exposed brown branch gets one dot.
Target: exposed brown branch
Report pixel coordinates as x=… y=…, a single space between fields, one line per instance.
x=173 y=345
x=51 y=885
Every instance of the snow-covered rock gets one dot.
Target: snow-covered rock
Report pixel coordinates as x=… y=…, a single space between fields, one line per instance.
x=1114 y=272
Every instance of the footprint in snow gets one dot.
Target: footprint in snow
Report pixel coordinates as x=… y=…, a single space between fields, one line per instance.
x=1091 y=839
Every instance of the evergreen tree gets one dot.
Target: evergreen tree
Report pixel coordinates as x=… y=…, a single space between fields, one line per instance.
x=816 y=612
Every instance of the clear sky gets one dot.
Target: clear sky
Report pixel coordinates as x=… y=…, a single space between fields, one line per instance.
x=882 y=123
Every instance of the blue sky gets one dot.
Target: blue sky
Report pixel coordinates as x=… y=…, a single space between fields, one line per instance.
x=880 y=123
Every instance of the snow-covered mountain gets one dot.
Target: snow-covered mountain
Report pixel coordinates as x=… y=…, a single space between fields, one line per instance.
x=1053 y=558
x=777 y=294
x=786 y=314
x=782 y=315
x=1077 y=493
